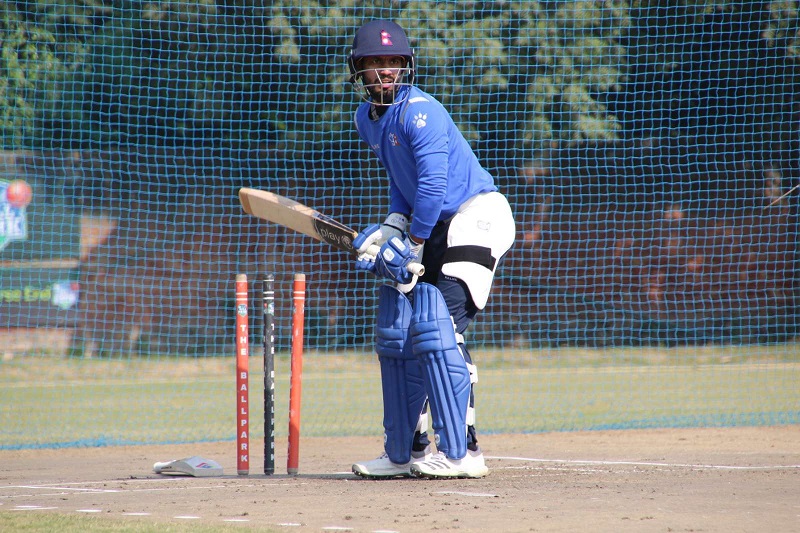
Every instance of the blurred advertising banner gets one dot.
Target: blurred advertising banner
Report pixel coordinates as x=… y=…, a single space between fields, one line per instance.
x=39 y=248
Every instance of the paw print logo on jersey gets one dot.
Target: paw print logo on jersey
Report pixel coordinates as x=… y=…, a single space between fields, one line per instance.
x=419 y=120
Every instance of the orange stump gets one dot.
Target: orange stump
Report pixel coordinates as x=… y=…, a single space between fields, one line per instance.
x=295 y=385
x=242 y=379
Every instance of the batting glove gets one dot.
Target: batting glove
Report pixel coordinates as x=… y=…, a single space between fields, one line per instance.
x=416 y=249
x=394 y=226
x=393 y=259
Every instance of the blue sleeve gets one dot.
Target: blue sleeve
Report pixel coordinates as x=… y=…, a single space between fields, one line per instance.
x=426 y=126
x=397 y=203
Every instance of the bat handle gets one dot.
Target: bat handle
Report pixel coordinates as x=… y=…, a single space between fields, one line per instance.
x=418 y=269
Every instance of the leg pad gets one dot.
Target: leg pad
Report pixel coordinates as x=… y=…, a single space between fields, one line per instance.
x=401 y=375
x=447 y=377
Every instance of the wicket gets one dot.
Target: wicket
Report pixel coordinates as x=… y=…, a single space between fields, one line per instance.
x=299 y=301
x=268 y=296
x=242 y=378
x=242 y=373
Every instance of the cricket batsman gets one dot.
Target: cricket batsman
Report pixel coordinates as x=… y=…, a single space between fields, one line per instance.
x=445 y=212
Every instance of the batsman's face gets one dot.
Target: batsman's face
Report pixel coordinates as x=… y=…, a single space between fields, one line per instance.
x=380 y=76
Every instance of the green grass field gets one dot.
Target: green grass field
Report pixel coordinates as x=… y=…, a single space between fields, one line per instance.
x=53 y=401
x=49 y=522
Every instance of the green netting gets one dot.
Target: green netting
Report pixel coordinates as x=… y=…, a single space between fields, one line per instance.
x=649 y=149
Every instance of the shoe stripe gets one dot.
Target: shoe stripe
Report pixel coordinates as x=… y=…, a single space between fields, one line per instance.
x=434 y=464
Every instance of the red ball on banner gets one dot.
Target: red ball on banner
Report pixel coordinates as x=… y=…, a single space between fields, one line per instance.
x=19 y=194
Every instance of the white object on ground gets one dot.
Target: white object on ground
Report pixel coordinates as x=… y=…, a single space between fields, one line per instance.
x=190 y=466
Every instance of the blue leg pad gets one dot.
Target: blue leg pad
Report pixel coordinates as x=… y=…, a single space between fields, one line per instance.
x=447 y=378
x=401 y=375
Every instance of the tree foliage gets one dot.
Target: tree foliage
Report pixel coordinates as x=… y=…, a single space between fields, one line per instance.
x=518 y=76
x=43 y=48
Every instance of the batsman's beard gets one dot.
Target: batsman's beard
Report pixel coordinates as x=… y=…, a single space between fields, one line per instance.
x=384 y=91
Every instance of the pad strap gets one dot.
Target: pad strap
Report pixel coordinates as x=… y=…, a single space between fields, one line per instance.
x=447 y=378
x=401 y=375
x=471 y=253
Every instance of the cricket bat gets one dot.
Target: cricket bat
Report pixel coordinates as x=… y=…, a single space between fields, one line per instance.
x=303 y=219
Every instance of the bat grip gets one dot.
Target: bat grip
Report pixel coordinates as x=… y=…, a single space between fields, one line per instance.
x=418 y=269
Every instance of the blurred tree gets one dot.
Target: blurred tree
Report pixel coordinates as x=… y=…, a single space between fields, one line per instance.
x=518 y=75
x=515 y=75
x=721 y=73
x=175 y=72
x=43 y=48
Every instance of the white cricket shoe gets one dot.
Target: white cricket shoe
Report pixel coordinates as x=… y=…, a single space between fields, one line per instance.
x=384 y=468
x=441 y=466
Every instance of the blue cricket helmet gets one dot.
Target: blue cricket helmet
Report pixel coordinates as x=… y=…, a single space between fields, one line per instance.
x=380 y=38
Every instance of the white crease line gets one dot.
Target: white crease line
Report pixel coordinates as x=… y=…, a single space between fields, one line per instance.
x=459 y=493
x=179 y=488
x=31 y=508
x=28 y=506
x=46 y=494
x=103 y=491
x=88 y=511
x=57 y=487
x=173 y=479
x=644 y=463
x=67 y=483
x=176 y=479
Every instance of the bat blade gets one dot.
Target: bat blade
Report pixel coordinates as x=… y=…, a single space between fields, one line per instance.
x=303 y=219
x=296 y=216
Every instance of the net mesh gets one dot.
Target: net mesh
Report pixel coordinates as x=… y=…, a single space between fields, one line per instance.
x=649 y=151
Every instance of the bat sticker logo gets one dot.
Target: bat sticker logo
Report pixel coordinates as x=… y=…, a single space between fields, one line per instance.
x=333 y=232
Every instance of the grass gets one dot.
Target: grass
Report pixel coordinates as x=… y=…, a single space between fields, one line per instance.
x=52 y=401
x=47 y=522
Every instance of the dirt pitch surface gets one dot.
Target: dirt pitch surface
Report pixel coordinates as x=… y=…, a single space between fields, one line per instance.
x=726 y=480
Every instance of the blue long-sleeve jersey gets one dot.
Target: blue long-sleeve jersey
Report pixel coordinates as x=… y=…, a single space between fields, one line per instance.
x=431 y=166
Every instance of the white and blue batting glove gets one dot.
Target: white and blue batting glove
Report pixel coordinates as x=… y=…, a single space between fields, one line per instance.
x=395 y=225
x=365 y=260
x=393 y=259
x=416 y=249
